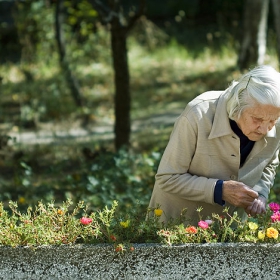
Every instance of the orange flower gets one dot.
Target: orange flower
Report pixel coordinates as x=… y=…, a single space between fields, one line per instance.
x=59 y=212
x=191 y=229
x=272 y=233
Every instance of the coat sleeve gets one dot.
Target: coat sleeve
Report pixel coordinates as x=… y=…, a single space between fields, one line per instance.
x=173 y=173
x=266 y=182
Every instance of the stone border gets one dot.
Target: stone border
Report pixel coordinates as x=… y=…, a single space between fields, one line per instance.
x=147 y=261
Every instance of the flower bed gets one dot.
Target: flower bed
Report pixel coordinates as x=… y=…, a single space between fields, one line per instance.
x=65 y=224
x=147 y=261
x=66 y=242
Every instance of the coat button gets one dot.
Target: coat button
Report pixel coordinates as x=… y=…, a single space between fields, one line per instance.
x=233 y=177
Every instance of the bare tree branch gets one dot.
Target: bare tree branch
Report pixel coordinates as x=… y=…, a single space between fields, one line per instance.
x=138 y=14
x=106 y=14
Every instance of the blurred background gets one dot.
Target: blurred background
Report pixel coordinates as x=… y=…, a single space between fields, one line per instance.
x=89 y=89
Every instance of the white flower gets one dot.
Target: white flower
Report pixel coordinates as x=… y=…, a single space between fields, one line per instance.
x=209 y=222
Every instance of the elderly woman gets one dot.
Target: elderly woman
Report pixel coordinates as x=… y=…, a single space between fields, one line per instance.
x=223 y=151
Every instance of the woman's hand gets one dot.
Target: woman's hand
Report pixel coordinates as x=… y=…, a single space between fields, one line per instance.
x=240 y=195
x=258 y=206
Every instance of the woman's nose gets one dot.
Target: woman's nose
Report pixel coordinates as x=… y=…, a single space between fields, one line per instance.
x=264 y=128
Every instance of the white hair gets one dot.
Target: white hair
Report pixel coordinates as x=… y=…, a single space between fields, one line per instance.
x=259 y=86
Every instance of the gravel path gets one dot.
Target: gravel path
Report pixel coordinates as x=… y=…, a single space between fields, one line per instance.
x=98 y=131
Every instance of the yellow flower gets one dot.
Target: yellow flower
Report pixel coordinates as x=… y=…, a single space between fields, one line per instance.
x=253 y=226
x=125 y=224
x=59 y=212
x=21 y=200
x=158 y=212
x=272 y=233
x=261 y=235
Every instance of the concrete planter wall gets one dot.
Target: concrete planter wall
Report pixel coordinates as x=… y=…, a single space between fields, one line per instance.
x=148 y=261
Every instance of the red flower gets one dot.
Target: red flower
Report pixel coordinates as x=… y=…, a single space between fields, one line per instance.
x=85 y=220
x=113 y=237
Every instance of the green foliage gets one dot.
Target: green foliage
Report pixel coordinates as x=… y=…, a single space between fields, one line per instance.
x=46 y=224
x=35 y=25
x=35 y=22
x=124 y=176
x=81 y=15
x=275 y=190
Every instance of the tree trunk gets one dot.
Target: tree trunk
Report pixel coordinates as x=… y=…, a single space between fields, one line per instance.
x=71 y=79
x=253 y=47
x=276 y=10
x=122 y=89
x=111 y=12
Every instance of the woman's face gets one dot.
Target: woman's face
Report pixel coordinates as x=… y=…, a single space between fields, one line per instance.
x=256 y=121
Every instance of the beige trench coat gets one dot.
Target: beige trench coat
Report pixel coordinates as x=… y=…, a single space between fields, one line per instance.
x=202 y=149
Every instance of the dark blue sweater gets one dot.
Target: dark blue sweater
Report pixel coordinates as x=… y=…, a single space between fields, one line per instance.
x=246 y=146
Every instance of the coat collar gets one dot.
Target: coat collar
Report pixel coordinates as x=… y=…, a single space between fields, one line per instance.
x=221 y=126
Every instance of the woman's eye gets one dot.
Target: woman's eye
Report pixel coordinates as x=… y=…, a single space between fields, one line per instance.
x=257 y=120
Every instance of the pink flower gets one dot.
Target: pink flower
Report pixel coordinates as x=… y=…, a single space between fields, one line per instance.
x=203 y=224
x=85 y=220
x=275 y=207
x=275 y=217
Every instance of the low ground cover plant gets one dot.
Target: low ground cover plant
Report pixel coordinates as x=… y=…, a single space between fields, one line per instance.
x=47 y=224
x=98 y=180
